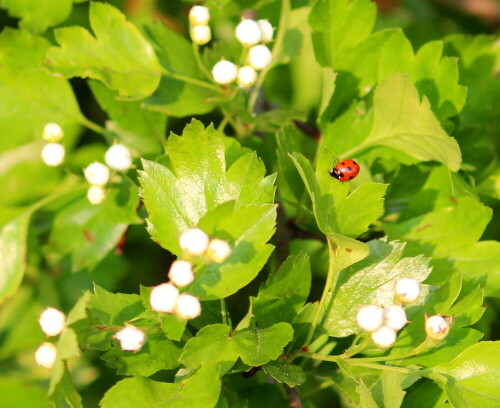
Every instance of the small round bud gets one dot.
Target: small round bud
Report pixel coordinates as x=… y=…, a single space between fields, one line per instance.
x=384 y=337
x=259 y=57
x=194 y=241
x=118 y=157
x=248 y=32
x=181 y=273
x=407 y=290
x=247 y=76
x=52 y=321
x=187 y=306
x=224 y=72
x=163 y=298
x=218 y=250
x=97 y=174
x=131 y=338
x=266 y=30
x=53 y=154
x=199 y=15
x=437 y=327
x=395 y=317
x=96 y=195
x=200 y=34
x=45 y=355
x=370 y=318
x=52 y=132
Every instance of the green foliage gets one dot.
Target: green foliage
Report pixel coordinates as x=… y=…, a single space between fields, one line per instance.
x=275 y=322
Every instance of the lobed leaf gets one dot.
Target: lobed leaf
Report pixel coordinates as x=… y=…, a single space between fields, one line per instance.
x=118 y=55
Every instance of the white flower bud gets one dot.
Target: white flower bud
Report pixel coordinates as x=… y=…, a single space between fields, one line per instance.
x=131 y=338
x=52 y=321
x=45 y=355
x=96 y=195
x=395 y=317
x=266 y=30
x=187 y=306
x=199 y=15
x=200 y=34
x=260 y=57
x=118 y=157
x=224 y=72
x=218 y=250
x=248 y=32
x=181 y=273
x=163 y=298
x=53 y=154
x=437 y=327
x=370 y=318
x=384 y=337
x=194 y=241
x=247 y=76
x=407 y=290
x=97 y=174
x=52 y=132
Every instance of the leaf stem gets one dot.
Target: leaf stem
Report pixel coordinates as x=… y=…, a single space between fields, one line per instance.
x=278 y=45
x=328 y=284
x=92 y=126
x=201 y=65
x=380 y=366
x=193 y=81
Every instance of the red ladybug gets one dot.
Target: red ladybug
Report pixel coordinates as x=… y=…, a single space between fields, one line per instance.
x=345 y=170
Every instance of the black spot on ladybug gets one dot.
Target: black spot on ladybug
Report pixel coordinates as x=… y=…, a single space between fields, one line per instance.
x=343 y=163
x=354 y=162
x=349 y=169
x=350 y=178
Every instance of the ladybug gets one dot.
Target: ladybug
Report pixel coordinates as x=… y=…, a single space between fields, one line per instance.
x=345 y=170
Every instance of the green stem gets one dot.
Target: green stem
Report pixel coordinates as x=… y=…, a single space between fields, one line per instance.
x=278 y=45
x=379 y=366
x=223 y=311
x=328 y=285
x=91 y=125
x=424 y=346
x=201 y=65
x=193 y=81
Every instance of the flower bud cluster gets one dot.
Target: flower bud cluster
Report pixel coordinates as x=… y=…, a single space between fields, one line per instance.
x=199 y=30
x=382 y=322
x=251 y=34
x=53 y=152
x=117 y=157
x=196 y=247
x=52 y=322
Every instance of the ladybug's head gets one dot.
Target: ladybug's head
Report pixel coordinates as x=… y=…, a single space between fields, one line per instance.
x=334 y=173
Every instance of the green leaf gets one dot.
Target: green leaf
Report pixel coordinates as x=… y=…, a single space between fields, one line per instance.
x=196 y=181
x=284 y=293
x=136 y=127
x=407 y=124
x=65 y=394
x=158 y=353
x=84 y=234
x=290 y=374
x=254 y=346
x=179 y=93
x=67 y=347
x=118 y=55
x=17 y=392
x=114 y=308
x=448 y=230
x=371 y=281
x=337 y=212
x=338 y=25
x=38 y=15
x=24 y=113
x=196 y=190
x=387 y=392
x=472 y=377
x=13 y=249
x=200 y=390
x=247 y=229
